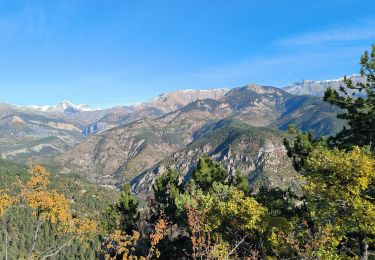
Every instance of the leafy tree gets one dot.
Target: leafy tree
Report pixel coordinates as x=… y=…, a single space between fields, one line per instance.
x=337 y=192
x=358 y=102
x=120 y=245
x=338 y=195
x=221 y=221
x=300 y=242
x=46 y=207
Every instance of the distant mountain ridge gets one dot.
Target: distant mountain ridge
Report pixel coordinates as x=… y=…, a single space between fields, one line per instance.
x=171 y=101
x=318 y=87
x=63 y=107
x=166 y=102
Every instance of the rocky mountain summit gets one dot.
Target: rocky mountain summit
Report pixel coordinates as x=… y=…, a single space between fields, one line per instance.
x=160 y=105
x=171 y=101
x=63 y=107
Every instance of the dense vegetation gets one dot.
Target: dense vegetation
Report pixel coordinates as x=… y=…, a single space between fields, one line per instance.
x=213 y=214
x=18 y=223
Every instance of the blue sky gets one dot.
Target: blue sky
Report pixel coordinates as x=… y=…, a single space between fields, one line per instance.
x=107 y=53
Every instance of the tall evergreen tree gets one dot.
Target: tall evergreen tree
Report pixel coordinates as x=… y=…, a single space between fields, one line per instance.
x=123 y=215
x=128 y=209
x=166 y=188
x=358 y=102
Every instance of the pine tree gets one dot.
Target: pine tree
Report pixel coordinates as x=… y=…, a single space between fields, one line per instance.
x=301 y=146
x=207 y=172
x=358 y=102
x=240 y=182
x=123 y=215
x=166 y=188
x=128 y=209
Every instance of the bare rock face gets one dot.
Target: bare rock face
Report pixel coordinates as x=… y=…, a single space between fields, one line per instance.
x=259 y=153
x=171 y=101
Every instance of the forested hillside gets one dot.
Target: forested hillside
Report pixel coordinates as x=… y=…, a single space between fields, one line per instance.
x=86 y=200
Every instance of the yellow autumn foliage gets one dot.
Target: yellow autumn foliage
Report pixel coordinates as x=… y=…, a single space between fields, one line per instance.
x=51 y=205
x=39 y=178
x=337 y=184
x=6 y=201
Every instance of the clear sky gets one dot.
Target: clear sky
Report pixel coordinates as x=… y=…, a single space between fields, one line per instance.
x=109 y=52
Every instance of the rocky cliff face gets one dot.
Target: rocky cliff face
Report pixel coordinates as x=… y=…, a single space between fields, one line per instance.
x=258 y=153
x=171 y=101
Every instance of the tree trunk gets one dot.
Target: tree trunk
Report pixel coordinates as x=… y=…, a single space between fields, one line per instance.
x=6 y=237
x=38 y=224
x=52 y=254
x=363 y=247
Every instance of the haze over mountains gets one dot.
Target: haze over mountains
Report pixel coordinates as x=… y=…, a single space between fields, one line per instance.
x=239 y=127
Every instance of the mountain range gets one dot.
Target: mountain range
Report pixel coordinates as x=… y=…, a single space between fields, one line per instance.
x=243 y=128
x=138 y=152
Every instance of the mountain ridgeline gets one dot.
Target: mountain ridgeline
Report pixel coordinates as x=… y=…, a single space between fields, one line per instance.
x=239 y=127
x=141 y=150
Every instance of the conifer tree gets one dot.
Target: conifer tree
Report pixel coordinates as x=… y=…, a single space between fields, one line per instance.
x=128 y=209
x=123 y=215
x=358 y=102
x=207 y=172
x=166 y=188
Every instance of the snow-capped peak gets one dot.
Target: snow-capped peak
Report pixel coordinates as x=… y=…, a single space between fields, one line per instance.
x=319 y=87
x=63 y=107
